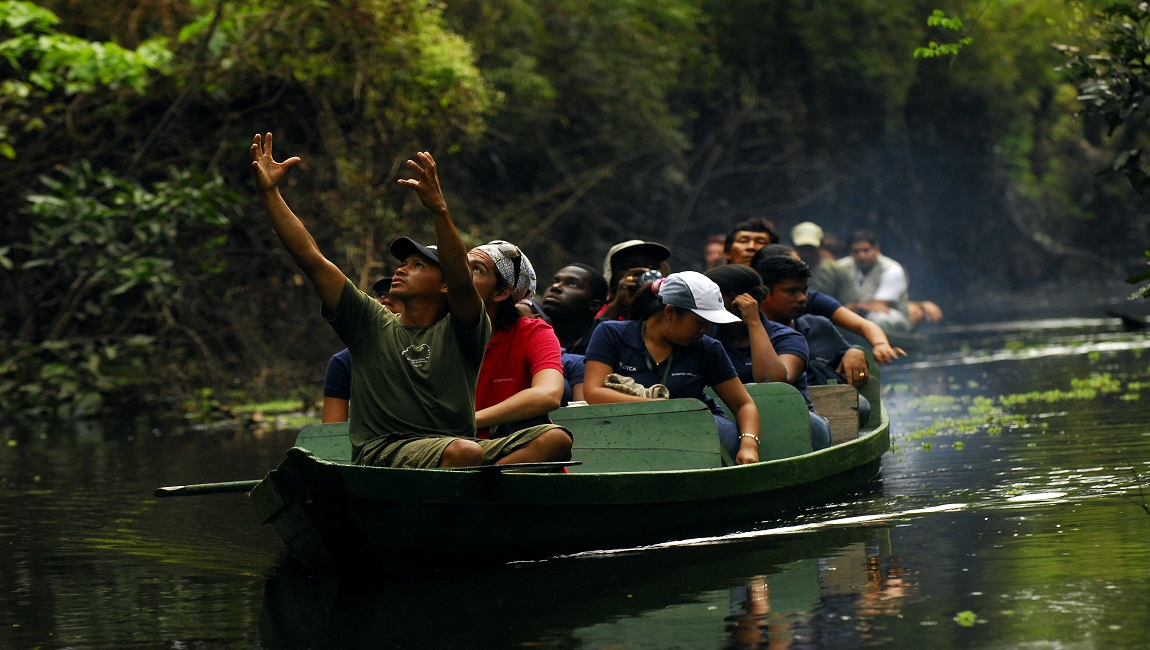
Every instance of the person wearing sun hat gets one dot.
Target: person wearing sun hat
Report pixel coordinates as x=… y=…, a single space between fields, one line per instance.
x=627 y=267
x=667 y=345
x=827 y=276
x=521 y=379
x=413 y=373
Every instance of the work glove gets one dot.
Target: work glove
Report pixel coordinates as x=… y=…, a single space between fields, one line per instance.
x=627 y=385
x=624 y=385
x=658 y=391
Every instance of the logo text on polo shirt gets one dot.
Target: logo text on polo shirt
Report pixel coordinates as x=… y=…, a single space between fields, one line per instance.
x=417 y=355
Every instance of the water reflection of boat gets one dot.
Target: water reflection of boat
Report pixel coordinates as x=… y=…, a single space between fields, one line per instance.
x=678 y=597
x=651 y=472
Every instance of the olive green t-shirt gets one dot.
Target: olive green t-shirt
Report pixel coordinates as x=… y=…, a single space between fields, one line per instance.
x=407 y=382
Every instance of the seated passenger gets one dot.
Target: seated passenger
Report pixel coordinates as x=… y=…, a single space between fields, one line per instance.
x=572 y=363
x=832 y=359
x=827 y=275
x=521 y=378
x=762 y=349
x=821 y=304
x=576 y=294
x=746 y=238
x=574 y=374
x=337 y=377
x=626 y=268
x=881 y=283
x=667 y=345
x=714 y=251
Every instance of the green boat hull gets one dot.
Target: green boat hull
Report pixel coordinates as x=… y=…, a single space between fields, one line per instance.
x=345 y=518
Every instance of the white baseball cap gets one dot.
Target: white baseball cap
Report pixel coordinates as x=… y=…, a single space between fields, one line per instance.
x=807 y=234
x=695 y=291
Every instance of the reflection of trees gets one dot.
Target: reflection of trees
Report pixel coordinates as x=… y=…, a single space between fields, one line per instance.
x=89 y=560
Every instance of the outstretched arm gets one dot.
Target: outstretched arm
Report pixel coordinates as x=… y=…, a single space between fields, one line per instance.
x=883 y=351
x=462 y=298
x=326 y=277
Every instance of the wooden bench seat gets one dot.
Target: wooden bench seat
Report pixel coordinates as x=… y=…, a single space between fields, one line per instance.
x=327 y=441
x=670 y=434
x=638 y=436
x=784 y=423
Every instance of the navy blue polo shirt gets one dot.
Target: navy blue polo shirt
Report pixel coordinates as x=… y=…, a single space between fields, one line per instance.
x=573 y=367
x=820 y=304
x=619 y=344
x=785 y=341
x=827 y=348
x=337 y=377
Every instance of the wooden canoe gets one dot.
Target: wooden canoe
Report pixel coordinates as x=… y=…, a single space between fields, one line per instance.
x=650 y=472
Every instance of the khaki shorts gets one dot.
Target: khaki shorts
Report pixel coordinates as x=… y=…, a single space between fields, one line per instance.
x=425 y=451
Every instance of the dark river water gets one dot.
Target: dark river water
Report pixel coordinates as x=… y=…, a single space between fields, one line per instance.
x=1011 y=513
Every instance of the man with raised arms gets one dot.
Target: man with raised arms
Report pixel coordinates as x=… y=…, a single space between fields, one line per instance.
x=414 y=373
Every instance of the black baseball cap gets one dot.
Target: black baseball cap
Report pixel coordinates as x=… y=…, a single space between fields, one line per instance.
x=382 y=286
x=403 y=247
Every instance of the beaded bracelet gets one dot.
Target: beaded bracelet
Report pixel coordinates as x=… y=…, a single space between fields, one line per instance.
x=749 y=435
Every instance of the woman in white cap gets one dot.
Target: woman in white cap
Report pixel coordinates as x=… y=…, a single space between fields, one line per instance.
x=521 y=378
x=667 y=345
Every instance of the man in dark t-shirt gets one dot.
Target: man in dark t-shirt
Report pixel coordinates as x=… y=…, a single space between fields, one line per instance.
x=413 y=374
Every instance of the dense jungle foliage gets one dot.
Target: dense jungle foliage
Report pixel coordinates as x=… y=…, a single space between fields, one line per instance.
x=138 y=269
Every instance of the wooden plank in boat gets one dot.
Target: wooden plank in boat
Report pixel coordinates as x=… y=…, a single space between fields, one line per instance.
x=839 y=404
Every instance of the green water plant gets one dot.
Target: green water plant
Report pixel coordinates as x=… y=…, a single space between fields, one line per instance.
x=1086 y=388
x=991 y=415
x=966 y=618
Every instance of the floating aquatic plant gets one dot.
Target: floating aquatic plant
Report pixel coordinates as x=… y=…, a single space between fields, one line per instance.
x=966 y=618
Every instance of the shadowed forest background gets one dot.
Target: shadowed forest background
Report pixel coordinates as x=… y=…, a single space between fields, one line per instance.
x=139 y=270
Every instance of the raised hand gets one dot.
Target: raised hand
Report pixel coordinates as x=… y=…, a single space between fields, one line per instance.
x=268 y=171
x=748 y=309
x=629 y=285
x=426 y=185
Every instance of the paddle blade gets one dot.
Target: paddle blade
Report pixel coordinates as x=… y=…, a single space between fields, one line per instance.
x=205 y=488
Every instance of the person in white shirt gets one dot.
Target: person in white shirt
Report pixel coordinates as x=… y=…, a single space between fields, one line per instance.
x=881 y=282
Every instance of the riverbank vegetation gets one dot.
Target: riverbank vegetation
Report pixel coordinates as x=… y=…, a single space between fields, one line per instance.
x=138 y=269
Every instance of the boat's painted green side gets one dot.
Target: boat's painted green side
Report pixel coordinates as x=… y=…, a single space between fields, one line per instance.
x=346 y=518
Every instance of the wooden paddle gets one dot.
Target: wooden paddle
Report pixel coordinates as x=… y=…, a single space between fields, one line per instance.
x=205 y=488
x=246 y=486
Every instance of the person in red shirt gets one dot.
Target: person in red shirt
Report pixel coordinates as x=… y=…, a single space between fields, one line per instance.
x=521 y=379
